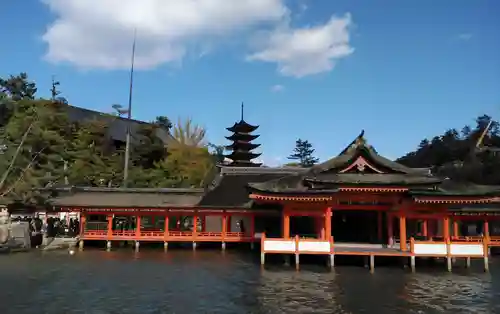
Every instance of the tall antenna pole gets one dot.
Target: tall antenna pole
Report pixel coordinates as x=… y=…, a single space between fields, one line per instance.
x=129 y=114
x=242 y=108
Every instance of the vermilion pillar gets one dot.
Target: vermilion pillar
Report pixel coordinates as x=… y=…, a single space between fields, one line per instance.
x=286 y=224
x=224 y=226
x=138 y=227
x=486 y=229
x=455 y=228
x=110 y=226
x=328 y=223
x=446 y=228
x=195 y=224
x=425 y=228
x=83 y=220
x=165 y=228
x=402 y=232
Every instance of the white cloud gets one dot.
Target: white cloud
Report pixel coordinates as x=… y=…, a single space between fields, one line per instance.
x=277 y=88
x=465 y=36
x=98 y=33
x=306 y=51
x=274 y=161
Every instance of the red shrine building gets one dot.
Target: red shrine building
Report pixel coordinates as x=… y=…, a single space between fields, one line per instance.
x=357 y=203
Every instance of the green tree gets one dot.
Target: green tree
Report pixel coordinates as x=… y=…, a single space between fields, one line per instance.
x=189 y=161
x=147 y=151
x=36 y=140
x=217 y=152
x=455 y=155
x=94 y=161
x=18 y=87
x=163 y=122
x=189 y=134
x=303 y=153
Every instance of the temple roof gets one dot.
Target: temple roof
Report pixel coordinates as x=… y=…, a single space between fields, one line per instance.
x=230 y=188
x=125 y=197
x=360 y=165
x=360 y=148
x=454 y=188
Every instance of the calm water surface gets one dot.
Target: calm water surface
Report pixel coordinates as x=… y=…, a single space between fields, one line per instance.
x=210 y=282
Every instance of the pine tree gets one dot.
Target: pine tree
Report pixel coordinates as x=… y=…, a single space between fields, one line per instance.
x=94 y=161
x=40 y=161
x=303 y=152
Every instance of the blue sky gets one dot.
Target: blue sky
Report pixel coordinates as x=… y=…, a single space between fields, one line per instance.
x=401 y=70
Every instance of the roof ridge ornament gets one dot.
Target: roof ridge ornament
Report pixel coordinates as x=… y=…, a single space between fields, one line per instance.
x=359 y=141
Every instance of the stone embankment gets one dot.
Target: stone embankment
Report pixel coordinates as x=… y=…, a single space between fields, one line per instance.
x=14 y=237
x=59 y=243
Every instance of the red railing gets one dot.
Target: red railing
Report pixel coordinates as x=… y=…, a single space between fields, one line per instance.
x=166 y=236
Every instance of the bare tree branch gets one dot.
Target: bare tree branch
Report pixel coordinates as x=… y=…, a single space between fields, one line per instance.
x=21 y=176
x=18 y=150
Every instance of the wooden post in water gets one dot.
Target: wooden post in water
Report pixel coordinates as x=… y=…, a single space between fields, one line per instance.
x=297 y=253
x=224 y=231
x=332 y=254
x=467 y=262
x=262 y=247
x=412 y=257
x=448 y=254
x=485 y=252
x=372 y=263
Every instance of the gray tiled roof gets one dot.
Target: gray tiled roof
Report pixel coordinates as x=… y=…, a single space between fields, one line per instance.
x=126 y=197
x=118 y=125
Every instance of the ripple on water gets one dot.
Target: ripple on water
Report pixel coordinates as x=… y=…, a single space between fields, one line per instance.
x=209 y=282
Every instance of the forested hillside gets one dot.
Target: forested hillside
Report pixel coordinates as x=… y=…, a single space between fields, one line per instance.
x=454 y=154
x=41 y=147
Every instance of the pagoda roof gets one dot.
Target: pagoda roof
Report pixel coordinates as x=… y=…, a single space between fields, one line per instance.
x=242 y=127
x=241 y=155
x=240 y=145
x=242 y=137
x=359 y=165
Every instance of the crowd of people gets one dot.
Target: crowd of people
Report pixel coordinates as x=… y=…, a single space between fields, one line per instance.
x=53 y=227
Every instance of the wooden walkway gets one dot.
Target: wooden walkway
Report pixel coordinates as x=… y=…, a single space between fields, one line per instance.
x=367 y=249
x=459 y=248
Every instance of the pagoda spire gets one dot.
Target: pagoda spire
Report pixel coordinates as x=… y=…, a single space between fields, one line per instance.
x=242 y=110
x=242 y=146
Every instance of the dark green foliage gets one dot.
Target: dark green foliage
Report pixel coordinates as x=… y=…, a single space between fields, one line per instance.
x=18 y=87
x=93 y=159
x=41 y=157
x=455 y=155
x=163 y=122
x=303 y=153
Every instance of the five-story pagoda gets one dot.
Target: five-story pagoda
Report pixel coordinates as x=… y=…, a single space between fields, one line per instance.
x=242 y=146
